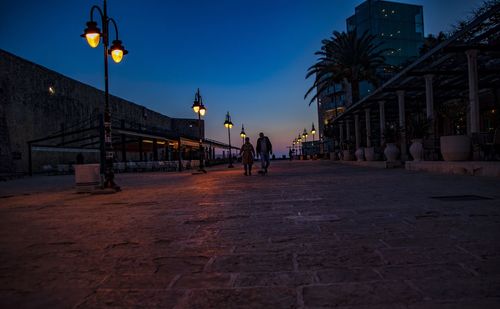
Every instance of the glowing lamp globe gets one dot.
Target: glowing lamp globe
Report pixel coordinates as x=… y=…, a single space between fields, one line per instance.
x=117 y=51
x=203 y=110
x=92 y=34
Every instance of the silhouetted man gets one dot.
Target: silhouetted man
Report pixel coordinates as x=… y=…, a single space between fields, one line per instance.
x=264 y=149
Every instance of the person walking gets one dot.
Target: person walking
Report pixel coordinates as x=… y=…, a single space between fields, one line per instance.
x=247 y=153
x=264 y=149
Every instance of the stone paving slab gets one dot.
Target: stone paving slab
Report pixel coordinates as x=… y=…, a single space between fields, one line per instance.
x=311 y=234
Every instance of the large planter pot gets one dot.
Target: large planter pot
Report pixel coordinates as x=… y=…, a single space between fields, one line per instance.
x=346 y=155
x=360 y=154
x=417 y=150
x=370 y=154
x=391 y=152
x=455 y=147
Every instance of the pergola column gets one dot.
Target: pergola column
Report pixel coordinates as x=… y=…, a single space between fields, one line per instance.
x=155 y=150
x=402 y=121
x=381 y=107
x=348 y=129
x=429 y=96
x=356 y=131
x=341 y=129
x=473 y=90
x=368 y=128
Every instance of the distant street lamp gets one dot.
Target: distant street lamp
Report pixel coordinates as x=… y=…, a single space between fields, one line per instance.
x=313 y=132
x=200 y=109
x=228 y=124
x=93 y=35
x=242 y=133
x=304 y=135
x=299 y=140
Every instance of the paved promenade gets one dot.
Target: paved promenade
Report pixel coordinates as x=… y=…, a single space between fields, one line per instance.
x=312 y=234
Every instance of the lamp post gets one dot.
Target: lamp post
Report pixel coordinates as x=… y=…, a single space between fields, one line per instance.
x=242 y=133
x=299 y=140
x=313 y=132
x=93 y=35
x=304 y=139
x=228 y=124
x=200 y=109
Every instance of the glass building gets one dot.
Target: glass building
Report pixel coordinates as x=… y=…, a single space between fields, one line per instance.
x=398 y=26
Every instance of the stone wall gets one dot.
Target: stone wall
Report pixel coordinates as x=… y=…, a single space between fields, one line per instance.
x=36 y=102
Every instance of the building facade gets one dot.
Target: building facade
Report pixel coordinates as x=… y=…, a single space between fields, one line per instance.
x=39 y=104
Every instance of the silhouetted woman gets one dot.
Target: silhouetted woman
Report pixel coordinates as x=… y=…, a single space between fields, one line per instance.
x=247 y=153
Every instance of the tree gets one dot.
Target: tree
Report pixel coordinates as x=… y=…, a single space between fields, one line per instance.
x=432 y=41
x=346 y=57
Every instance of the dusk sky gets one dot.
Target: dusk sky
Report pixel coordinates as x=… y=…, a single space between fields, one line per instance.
x=247 y=57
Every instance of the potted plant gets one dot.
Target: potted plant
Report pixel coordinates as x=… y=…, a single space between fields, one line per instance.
x=347 y=147
x=418 y=129
x=391 y=136
x=370 y=151
x=360 y=154
x=457 y=145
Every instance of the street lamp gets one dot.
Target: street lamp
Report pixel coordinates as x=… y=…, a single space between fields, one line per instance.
x=93 y=36
x=200 y=109
x=299 y=140
x=228 y=124
x=242 y=133
x=313 y=131
x=304 y=139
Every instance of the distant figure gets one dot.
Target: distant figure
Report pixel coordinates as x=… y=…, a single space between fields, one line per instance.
x=247 y=153
x=79 y=158
x=264 y=149
x=290 y=154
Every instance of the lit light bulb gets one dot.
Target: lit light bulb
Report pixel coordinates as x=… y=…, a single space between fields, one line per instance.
x=117 y=55
x=93 y=39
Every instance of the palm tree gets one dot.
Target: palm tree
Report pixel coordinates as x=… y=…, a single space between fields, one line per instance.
x=345 y=57
x=432 y=41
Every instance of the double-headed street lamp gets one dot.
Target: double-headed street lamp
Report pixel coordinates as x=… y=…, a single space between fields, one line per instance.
x=304 y=135
x=93 y=35
x=229 y=124
x=200 y=109
x=243 y=134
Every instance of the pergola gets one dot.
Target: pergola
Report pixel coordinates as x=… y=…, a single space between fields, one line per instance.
x=131 y=141
x=465 y=68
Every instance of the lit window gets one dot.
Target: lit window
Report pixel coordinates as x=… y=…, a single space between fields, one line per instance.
x=393 y=12
x=52 y=90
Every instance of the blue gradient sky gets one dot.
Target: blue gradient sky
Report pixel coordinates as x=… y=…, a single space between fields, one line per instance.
x=247 y=57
